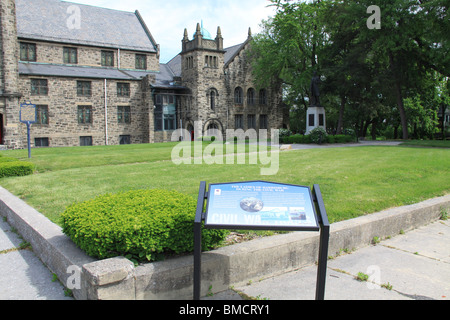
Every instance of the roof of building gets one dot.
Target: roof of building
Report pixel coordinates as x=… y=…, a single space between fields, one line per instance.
x=51 y=70
x=66 y=22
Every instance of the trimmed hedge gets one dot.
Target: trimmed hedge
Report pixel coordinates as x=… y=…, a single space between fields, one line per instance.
x=301 y=139
x=10 y=167
x=140 y=225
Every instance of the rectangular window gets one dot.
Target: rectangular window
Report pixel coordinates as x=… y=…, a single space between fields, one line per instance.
x=84 y=88
x=108 y=58
x=321 y=120
x=84 y=114
x=27 y=51
x=263 y=122
x=70 y=55
x=158 y=118
x=41 y=142
x=123 y=89
x=85 y=141
x=169 y=117
x=251 y=121
x=165 y=111
x=125 y=139
x=238 y=121
x=42 y=114
x=39 y=87
x=123 y=114
x=141 y=61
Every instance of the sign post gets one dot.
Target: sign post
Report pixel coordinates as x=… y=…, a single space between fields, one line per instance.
x=28 y=116
x=259 y=205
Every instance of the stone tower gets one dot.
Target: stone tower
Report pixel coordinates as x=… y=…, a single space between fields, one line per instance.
x=9 y=76
x=203 y=73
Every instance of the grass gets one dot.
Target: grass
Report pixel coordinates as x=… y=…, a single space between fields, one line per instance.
x=354 y=181
x=428 y=143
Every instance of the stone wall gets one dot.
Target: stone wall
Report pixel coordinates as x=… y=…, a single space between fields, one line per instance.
x=48 y=52
x=64 y=129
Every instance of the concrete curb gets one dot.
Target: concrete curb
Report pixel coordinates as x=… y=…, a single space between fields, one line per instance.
x=119 y=279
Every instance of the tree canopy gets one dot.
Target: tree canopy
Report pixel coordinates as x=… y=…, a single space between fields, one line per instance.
x=392 y=76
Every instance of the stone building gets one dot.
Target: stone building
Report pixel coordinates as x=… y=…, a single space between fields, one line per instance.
x=94 y=75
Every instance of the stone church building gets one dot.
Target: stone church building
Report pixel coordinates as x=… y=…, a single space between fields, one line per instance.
x=95 y=77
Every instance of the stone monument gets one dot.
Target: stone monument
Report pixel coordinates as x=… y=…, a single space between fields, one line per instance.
x=315 y=117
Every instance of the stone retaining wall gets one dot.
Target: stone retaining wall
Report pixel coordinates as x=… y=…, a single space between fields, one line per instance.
x=119 y=279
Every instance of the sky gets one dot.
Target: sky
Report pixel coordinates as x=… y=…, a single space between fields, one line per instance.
x=167 y=20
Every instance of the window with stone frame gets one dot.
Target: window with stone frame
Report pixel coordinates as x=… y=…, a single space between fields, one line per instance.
x=84 y=88
x=70 y=55
x=251 y=121
x=85 y=141
x=123 y=114
x=107 y=58
x=251 y=97
x=238 y=96
x=27 y=51
x=84 y=114
x=262 y=97
x=125 y=139
x=212 y=97
x=123 y=89
x=41 y=114
x=141 y=62
x=41 y=142
x=263 y=122
x=239 y=121
x=39 y=87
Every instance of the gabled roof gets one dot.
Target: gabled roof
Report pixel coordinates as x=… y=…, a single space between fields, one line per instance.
x=55 y=20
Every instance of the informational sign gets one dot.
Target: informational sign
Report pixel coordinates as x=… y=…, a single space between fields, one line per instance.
x=28 y=113
x=28 y=116
x=260 y=205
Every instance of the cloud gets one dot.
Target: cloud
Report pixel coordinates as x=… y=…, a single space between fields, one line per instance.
x=167 y=20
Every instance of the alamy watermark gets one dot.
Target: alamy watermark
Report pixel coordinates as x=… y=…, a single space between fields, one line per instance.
x=374 y=21
x=241 y=147
x=74 y=19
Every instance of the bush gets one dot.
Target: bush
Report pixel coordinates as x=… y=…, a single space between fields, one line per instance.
x=318 y=135
x=140 y=225
x=10 y=167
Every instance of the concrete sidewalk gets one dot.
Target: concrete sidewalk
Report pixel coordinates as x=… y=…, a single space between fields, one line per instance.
x=412 y=266
x=22 y=275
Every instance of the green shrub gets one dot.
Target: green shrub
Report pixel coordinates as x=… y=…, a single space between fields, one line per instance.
x=141 y=225
x=318 y=135
x=10 y=167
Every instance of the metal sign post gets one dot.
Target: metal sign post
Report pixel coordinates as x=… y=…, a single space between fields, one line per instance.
x=28 y=116
x=259 y=205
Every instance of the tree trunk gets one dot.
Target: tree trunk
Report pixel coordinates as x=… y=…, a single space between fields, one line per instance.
x=341 y=116
x=398 y=95
x=401 y=108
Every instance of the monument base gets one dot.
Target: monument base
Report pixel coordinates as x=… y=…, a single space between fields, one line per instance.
x=315 y=119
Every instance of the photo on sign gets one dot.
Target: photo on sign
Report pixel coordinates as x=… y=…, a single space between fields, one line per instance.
x=252 y=205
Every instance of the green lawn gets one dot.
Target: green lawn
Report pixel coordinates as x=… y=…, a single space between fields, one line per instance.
x=354 y=181
x=428 y=143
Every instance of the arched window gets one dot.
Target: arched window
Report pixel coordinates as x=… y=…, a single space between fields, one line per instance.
x=262 y=97
x=238 y=96
x=251 y=97
x=212 y=99
x=212 y=96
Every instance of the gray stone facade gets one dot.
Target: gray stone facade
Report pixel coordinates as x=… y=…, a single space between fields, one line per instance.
x=93 y=93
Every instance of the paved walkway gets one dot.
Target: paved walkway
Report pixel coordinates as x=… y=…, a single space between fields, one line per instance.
x=413 y=266
x=22 y=275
